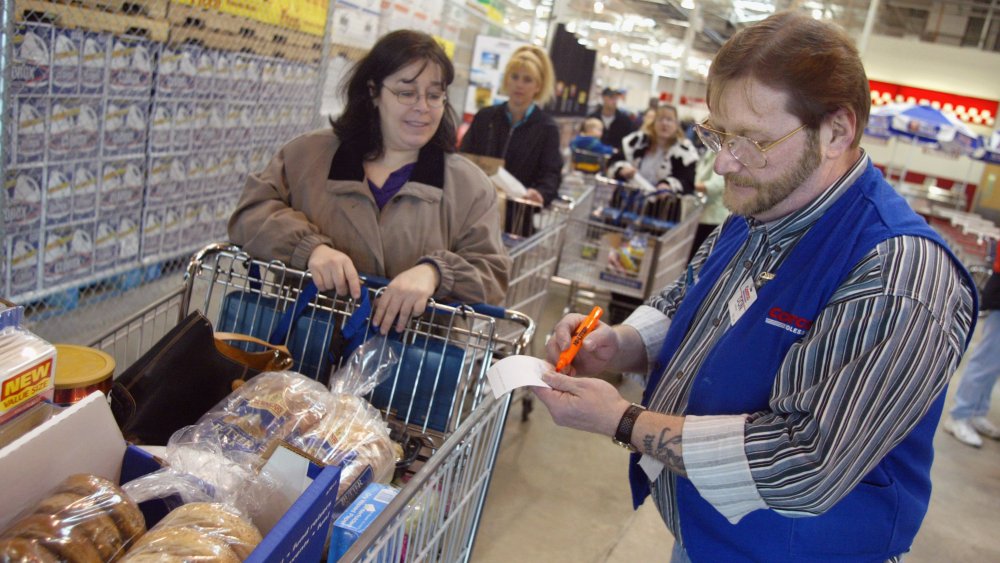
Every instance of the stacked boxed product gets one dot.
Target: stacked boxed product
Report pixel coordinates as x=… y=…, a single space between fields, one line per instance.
x=27 y=365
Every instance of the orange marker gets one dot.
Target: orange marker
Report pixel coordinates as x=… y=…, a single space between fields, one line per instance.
x=582 y=330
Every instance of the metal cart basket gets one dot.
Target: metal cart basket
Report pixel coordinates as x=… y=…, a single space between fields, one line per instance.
x=438 y=392
x=619 y=248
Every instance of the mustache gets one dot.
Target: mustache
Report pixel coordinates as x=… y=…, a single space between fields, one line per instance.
x=732 y=179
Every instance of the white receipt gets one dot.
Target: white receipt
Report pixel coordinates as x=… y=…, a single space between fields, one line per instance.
x=517 y=371
x=508 y=183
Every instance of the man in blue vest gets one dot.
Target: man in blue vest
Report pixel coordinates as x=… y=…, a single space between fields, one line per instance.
x=797 y=372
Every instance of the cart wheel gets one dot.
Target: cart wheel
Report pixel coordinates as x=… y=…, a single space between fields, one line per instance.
x=527 y=405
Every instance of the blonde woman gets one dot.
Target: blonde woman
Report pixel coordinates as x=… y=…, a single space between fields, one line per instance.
x=518 y=131
x=658 y=152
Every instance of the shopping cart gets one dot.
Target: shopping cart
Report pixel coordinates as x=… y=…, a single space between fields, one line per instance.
x=438 y=393
x=629 y=243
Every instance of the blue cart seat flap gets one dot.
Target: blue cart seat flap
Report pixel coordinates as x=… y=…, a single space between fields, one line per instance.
x=308 y=337
x=424 y=387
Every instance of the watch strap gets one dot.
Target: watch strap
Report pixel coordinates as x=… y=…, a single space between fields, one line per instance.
x=623 y=435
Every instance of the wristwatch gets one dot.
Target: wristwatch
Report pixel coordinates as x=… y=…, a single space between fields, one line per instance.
x=623 y=435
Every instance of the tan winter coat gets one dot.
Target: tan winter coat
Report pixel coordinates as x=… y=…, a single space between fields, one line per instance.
x=313 y=193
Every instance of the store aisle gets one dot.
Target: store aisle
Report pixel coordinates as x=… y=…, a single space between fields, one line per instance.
x=562 y=496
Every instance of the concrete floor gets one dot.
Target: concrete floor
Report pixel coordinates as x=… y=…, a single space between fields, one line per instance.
x=561 y=495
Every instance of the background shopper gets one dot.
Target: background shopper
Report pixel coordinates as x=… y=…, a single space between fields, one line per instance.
x=518 y=131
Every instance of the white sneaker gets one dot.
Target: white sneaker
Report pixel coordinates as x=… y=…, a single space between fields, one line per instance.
x=963 y=431
x=983 y=426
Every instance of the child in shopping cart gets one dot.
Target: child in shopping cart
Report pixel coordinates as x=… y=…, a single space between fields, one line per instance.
x=589 y=139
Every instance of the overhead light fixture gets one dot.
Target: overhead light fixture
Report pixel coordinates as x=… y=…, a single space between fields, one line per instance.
x=687 y=4
x=817 y=14
x=598 y=7
x=602 y=41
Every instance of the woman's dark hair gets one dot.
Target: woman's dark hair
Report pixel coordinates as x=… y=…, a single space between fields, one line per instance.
x=359 y=122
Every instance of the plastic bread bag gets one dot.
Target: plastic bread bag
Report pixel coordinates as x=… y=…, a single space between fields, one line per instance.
x=371 y=363
x=354 y=436
x=85 y=518
x=198 y=531
x=265 y=410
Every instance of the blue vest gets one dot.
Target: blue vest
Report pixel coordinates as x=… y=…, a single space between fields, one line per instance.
x=881 y=515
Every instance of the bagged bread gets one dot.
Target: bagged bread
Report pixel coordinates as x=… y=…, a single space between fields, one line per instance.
x=85 y=519
x=198 y=531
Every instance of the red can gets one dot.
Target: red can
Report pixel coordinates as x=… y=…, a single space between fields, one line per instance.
x=80 y=371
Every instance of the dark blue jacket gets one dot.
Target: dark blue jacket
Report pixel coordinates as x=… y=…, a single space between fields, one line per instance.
x=881 y=515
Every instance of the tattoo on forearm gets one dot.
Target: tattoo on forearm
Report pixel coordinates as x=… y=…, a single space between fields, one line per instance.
x=665 y=449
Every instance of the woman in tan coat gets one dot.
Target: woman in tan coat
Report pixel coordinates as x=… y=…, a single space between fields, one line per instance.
x=382 y=193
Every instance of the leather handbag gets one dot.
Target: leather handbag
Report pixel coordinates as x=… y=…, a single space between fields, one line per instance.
x=186 y=373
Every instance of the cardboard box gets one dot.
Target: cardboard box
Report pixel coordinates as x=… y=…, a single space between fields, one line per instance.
x=175 y=72
x=349 y=526
x=130 y=67
x=74 y=128
x=94 y=63
x=59 y=194
x=128 y=238
x=30 y=123
x=124 y=127
x=121 y=185
x=86 y=183
x=67 y=45
x=30 y=69
x=161 y=130
x=85 y=439
x=152 y=232
x=25 y=262
x=68 y=253
x=25 y=191
x=27 y=377
x=105 y=243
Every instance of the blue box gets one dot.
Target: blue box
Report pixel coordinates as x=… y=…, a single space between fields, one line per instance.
x=300 y=535
x=359 y=515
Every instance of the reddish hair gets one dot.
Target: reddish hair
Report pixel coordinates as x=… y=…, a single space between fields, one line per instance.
x=815 y=62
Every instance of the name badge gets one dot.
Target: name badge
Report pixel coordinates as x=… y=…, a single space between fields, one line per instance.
x=744 y=298
x=651 y=466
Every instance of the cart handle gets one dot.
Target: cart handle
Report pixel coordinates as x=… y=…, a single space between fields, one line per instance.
x=494 y=311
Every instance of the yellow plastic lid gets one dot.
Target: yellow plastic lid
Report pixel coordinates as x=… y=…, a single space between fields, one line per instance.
x=81 y=366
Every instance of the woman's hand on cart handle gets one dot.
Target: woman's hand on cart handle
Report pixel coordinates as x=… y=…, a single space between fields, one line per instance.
x=405 y=297
x=332 y=269
x=597 y=352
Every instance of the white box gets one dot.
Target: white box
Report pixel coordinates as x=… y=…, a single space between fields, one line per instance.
x=74 y=128
x=191 y=235
x=130 y=67
x=86 y=187
x=175 y=72
x=204 y=73
x=30 y=69
x=209 y=183
x=30 y=130
x=152 y=232
x=158 y=183
x=68 y=253
x=94 y=62
x=121 y=185
x=172 y=223
x=223 y=81
x=124 y=127
x=106 y=243
x=67 y=45
x=25 y=191
x=191 y=188
x=162 y=127
x=247 y=72
x=59 y=194
x=128 y=238
x=184 y=119
x=25 y=262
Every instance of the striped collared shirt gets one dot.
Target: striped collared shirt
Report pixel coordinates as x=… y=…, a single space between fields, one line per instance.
x=898 y=323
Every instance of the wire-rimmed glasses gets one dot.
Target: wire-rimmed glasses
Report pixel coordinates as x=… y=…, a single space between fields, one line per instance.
x=747 y=151
x=435 y=100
